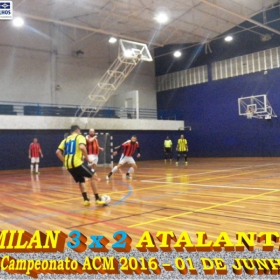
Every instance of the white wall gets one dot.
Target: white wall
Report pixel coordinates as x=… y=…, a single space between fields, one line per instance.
x=39 y=56
x=38 y=122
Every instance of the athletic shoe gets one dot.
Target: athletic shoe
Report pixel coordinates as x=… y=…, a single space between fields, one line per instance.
x=99 y=202
x=107 y=178
x=37 y=173
x=165 y=160
x=177 y=163
x=31 y=172
x=170 y=160
x=186 y=163
x=128 y=176
x=86 y=203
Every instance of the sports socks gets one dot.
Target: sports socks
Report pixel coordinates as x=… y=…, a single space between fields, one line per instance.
x=84 y=194
x=130 y=170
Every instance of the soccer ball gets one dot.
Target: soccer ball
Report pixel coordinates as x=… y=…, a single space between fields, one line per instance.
x=106 y=198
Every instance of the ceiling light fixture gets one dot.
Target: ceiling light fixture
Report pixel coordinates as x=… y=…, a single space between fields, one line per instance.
x=112 y=40
x=228 y=38
x=161 y=18
x=18 y=22
x=177 y=54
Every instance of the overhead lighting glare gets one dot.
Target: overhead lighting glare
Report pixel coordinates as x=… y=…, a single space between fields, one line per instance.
x=177 y=54
x=18 y=22
x=161 y=18
x=228 y=39
x=128 y=53
x=112 y=40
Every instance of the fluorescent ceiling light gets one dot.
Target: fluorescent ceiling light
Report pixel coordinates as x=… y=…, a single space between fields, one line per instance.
x=112 y=40
x=177 y=54
x=18 y=22
x=161 y=18
x=228 y=38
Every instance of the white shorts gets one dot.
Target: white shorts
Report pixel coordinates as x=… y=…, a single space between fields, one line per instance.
x=93 y=158
x=125 y=159
x=35 y=159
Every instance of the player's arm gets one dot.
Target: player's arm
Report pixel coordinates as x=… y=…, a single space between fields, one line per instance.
x=101 y=149
x=41 y=153
x=138 y=152
x=84 y=152
x=59 y=154
x=91 y=139
x=187 y=148
x=118 y=149
x=60 y=150
x=29 y=152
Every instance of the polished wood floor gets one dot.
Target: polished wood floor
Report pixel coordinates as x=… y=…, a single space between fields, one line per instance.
x=211 y=195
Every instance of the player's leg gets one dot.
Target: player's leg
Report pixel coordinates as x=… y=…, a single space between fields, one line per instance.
x=120 y=164
x=85 y=171
x=81 y=180
x=178 y=157
x=166 y=154
x=133 y=166
x=170 y=154
x=114 y=170
x=37 y=160
x=186 y=158
x=32 y=165
x=91 y=159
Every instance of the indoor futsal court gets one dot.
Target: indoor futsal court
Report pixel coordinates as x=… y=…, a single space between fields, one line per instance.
x=139 y=117
x=209 y=195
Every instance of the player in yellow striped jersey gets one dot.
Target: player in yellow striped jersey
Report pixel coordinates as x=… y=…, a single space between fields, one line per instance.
x=71 y=151
x=182 y=148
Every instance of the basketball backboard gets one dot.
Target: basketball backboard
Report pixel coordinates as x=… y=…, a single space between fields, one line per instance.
x=131 y=50
x=256 y=106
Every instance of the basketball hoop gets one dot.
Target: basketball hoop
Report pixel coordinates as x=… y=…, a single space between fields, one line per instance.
x=249 y=114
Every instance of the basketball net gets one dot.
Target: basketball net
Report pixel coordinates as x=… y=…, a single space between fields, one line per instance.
x=249 y=114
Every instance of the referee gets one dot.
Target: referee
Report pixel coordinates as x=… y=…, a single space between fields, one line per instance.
x=167 y=147
x=182 y=148
x=71 y=151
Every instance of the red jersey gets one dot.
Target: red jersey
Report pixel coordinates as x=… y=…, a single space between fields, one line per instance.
x=34 y=149
x=92 y=147
x=129 y=148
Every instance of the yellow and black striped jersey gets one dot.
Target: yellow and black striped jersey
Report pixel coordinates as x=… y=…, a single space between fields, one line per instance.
x=182 y=145
x=72 y=152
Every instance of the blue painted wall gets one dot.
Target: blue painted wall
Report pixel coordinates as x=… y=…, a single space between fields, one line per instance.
x=15 y=143
x=211 y=109
x=217 y=130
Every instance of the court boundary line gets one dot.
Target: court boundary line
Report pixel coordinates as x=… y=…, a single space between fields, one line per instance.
x=201 y=209
x=211 y=186
x=217 y=171
x=139 y=189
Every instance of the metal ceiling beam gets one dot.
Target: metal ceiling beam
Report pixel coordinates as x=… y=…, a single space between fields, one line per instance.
x=240 y=16
x=97 y=30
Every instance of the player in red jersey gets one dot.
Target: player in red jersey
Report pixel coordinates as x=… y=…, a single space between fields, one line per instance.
x=128 y=149
x=33 y=153
x=93 y=148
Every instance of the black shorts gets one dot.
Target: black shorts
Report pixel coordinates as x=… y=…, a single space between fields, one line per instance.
x=182 y=152
x=79 y=173
x=167 y=150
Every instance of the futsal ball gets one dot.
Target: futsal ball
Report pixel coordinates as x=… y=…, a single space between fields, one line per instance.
x=106 y=198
